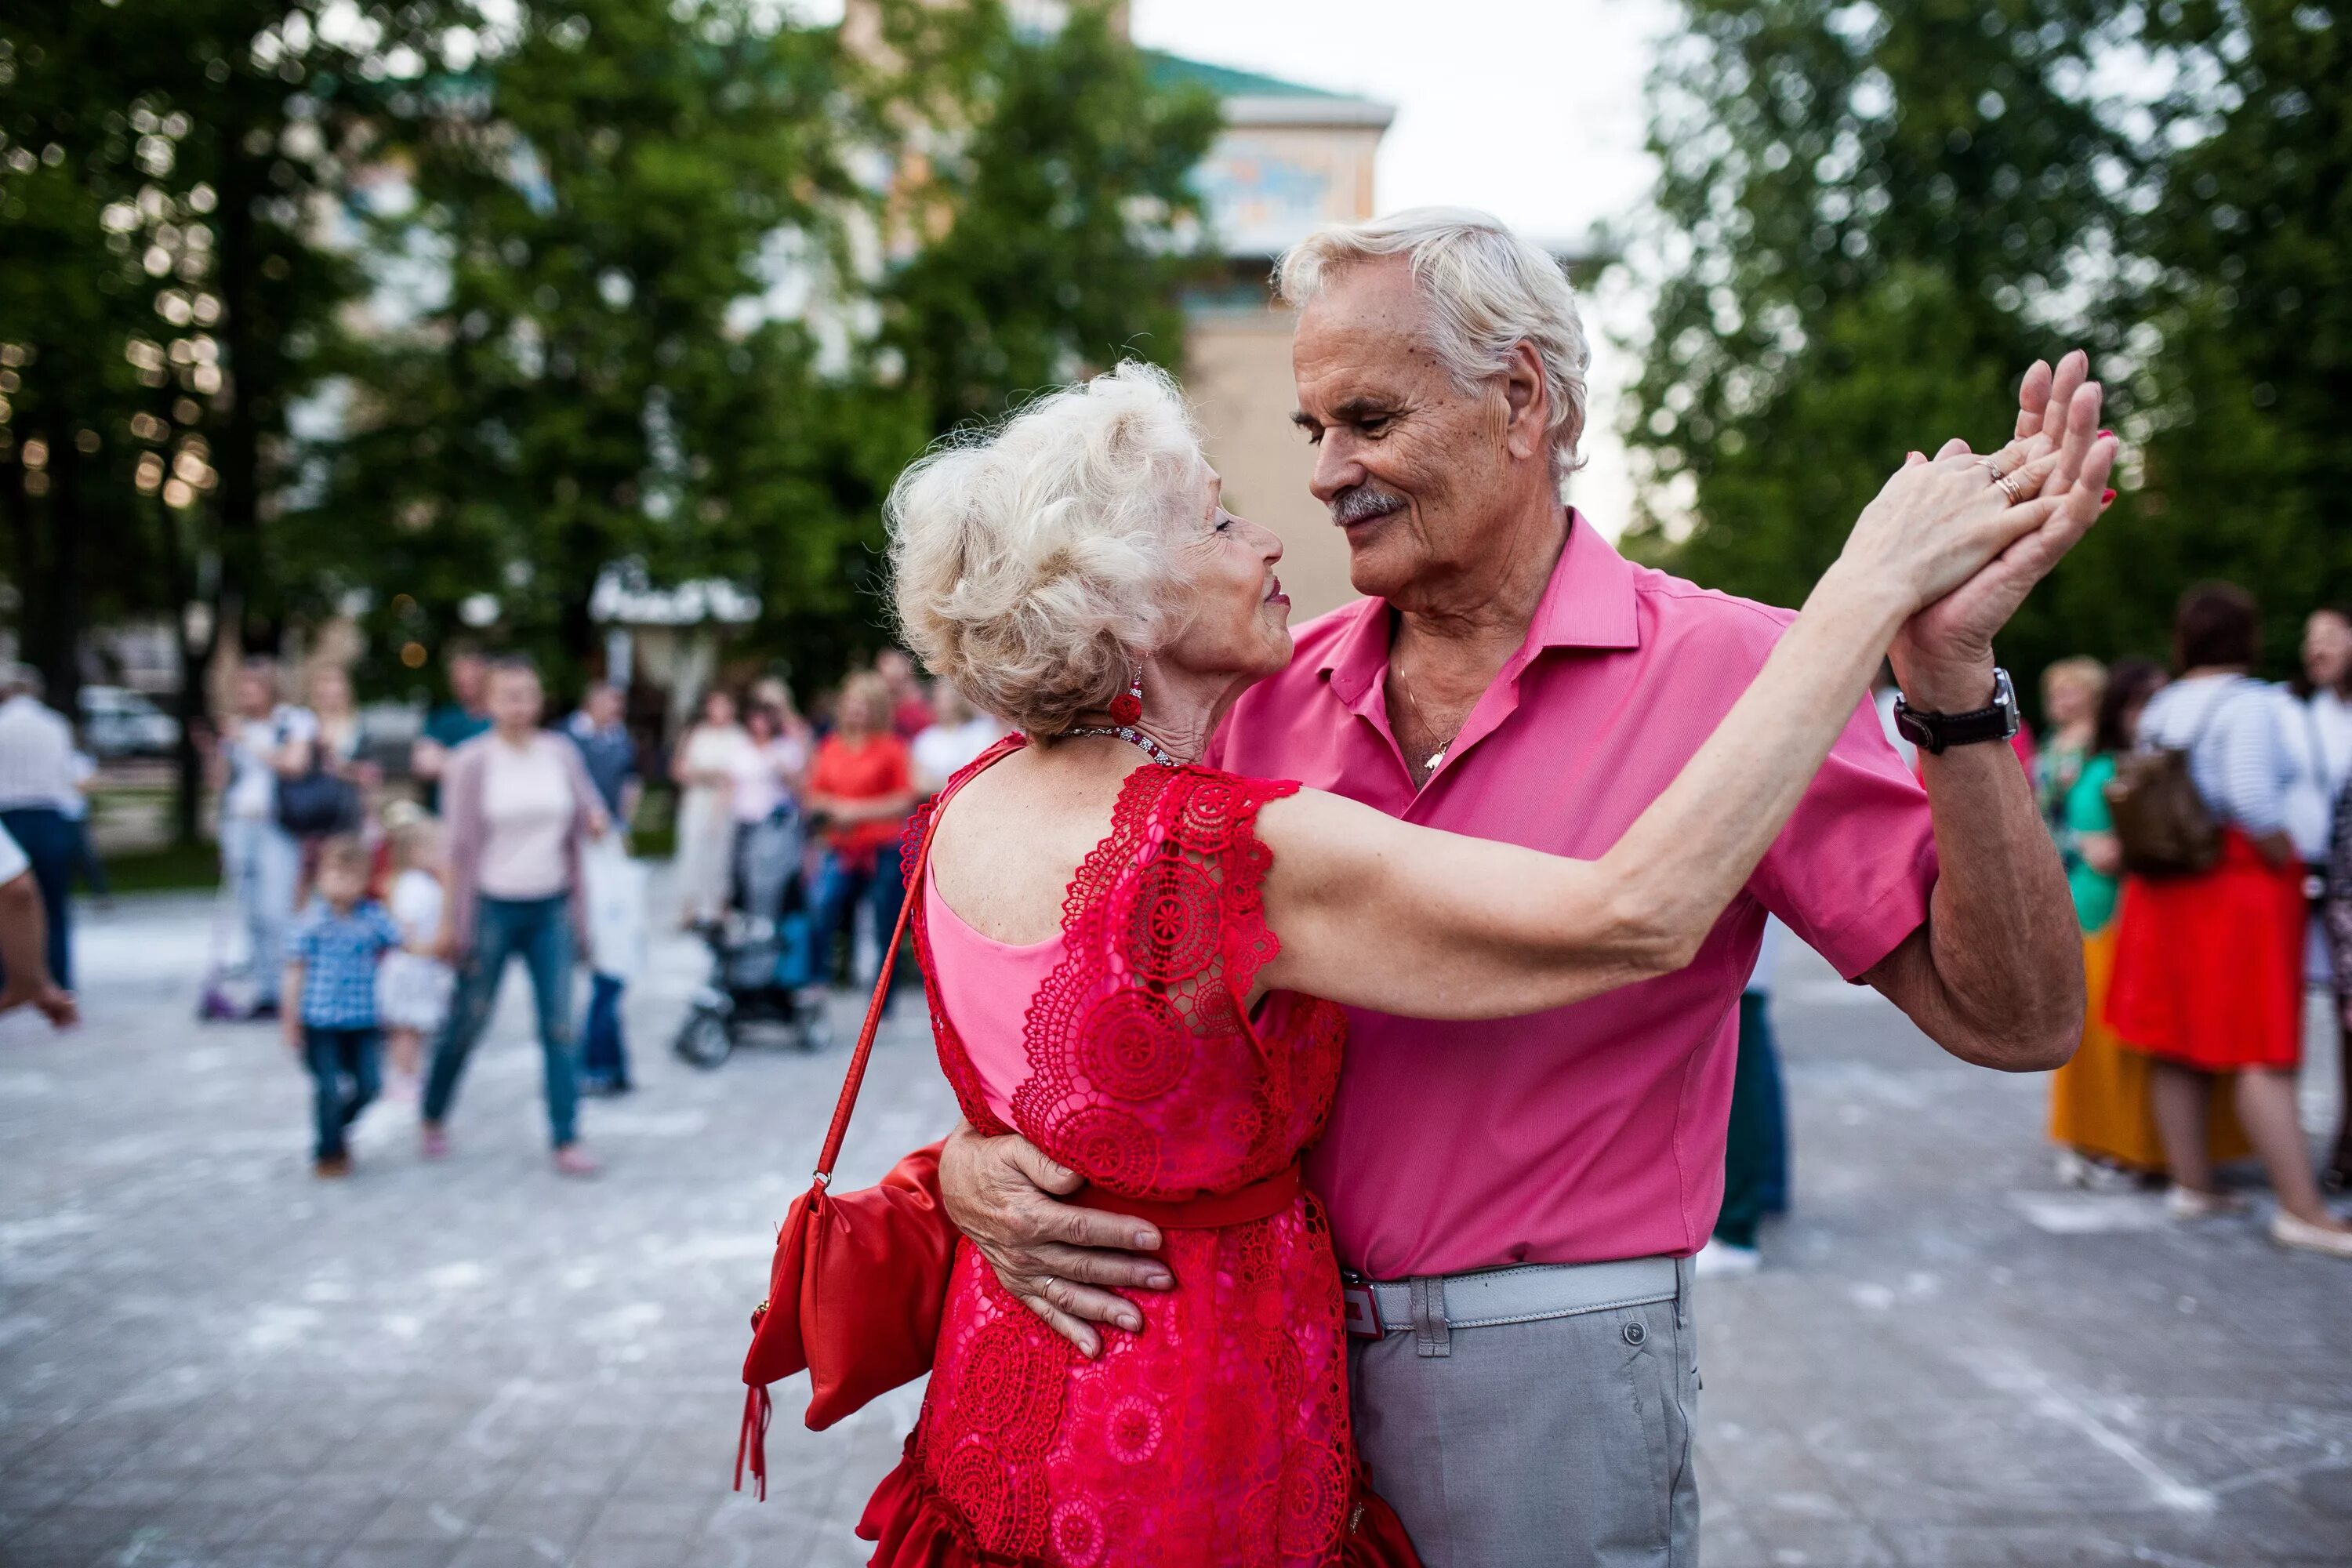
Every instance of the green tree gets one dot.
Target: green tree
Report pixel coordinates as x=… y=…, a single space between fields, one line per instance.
x=1061 y=214
x=1870 y=220
x=576 y=361
x=2248 y=469
x=168 y=169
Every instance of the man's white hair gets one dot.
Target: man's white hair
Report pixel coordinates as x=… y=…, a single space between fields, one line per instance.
x=1488 y=291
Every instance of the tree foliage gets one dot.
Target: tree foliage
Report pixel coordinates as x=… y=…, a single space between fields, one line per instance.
x=1871 y=217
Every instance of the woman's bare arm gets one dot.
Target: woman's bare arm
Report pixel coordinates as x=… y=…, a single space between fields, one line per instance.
x=1383 y=914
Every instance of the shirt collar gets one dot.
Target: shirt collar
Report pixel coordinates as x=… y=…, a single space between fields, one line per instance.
x=1588 y=603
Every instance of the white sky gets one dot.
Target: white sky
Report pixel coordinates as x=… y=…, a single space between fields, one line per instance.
x=1531 y=109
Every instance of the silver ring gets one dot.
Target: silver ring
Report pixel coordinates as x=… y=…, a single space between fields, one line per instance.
x=1992 y=464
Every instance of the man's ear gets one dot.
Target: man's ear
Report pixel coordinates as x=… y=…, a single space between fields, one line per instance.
x=1527 y=401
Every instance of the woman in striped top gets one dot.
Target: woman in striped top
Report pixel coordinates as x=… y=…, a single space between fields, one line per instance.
x=2209 y=967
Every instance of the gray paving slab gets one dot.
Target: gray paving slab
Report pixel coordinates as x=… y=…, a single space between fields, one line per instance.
x=209 y=1360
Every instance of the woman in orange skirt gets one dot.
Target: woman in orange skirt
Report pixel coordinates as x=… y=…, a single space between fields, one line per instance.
x=2101 y=1116
x=2208 y=966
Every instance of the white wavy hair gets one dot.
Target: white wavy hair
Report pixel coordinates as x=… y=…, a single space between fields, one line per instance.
x=1035 y=563
x=1488 y=291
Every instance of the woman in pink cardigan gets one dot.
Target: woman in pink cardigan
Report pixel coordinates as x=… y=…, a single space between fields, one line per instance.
x=521 y=808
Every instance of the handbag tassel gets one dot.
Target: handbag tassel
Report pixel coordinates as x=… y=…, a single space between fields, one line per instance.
x=753 y=1444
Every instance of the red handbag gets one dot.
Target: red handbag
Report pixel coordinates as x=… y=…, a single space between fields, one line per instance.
x=860 y=1279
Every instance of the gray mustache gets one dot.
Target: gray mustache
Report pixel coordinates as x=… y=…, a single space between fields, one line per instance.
x=1363 y=501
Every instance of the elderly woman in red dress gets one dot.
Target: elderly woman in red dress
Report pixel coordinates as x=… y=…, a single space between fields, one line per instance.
x=1137 y=961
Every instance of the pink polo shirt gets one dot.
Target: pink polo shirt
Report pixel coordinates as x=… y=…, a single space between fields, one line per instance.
x=1594 y=1132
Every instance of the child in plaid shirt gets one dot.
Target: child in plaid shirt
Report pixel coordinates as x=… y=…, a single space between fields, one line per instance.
x=329 y=996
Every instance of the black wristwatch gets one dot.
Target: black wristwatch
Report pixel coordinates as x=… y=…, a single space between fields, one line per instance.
x=1934 y=731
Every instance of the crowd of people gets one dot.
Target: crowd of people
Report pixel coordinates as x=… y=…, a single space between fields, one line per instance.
x=2198 y=972
x=378 y=914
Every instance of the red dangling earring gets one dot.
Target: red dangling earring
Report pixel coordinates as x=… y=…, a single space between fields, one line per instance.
x=1127 y=706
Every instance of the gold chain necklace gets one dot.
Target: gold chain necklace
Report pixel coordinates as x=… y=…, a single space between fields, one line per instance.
x=1421 y=715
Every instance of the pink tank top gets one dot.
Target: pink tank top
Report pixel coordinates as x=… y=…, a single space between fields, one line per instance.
x=986 y=986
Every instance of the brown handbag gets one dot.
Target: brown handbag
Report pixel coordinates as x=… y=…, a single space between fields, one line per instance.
x=2162 y=826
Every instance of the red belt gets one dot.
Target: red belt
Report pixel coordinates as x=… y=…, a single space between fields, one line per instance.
x=1259 y=1200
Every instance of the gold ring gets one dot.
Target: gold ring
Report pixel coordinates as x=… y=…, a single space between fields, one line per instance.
x=2008 y=486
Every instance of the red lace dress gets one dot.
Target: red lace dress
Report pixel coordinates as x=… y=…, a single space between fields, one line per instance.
x=1219 y=1434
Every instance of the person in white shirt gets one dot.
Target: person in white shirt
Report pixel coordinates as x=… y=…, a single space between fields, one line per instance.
x=958 y=733
x=36 y=751
x=23 y=935
x=260 y=861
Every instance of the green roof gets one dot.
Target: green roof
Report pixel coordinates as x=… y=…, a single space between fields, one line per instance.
x=1175 y=70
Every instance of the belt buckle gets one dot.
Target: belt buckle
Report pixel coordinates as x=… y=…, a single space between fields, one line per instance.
x=1361 y=1308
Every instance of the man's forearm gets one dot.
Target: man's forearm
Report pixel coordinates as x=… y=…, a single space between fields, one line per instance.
x=1996 y=977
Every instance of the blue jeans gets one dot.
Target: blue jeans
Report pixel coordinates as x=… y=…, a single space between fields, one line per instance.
x=261 y=862
x=46 y=838
x=538 y=931
x=840 y=889
x=604 y=1056
x=333 y=1056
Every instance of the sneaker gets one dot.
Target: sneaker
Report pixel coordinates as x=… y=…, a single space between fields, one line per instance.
x=571 y=1160
x=432 y=1143
x=2086 y=1174
x=2187 y=1202
x=333 y=1168
x=1721 y=1260
x=2328 y=1240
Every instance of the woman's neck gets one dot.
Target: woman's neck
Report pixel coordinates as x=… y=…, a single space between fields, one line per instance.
x=519 y=739
x=2203 y=670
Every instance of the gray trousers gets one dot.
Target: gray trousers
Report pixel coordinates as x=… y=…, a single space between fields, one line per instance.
x=1562 y=1442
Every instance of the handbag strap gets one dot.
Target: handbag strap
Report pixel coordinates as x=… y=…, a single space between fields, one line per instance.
x=856 y=1075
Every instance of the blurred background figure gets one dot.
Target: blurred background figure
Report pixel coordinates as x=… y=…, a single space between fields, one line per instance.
x=414 y=986
x=82 y=857
x=325 y=785
x=260 y=861
x=607 y=750
x=615 y=887
x=36 y=773
x=957 y=733
x=25 y=977
x=1756 y=1153
x=452 y=723
x=2071 y=690
x=769 y=769
x=2209 y=966
x=860 y=789
x=703 y=767
x=332 y=958
x=522 y=814
x=2335 y=912
x=2323 y=745
x=910 y=711
x=2101 y=1114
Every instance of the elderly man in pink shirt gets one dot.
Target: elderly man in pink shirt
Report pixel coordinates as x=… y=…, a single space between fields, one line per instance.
x=1518 y=1201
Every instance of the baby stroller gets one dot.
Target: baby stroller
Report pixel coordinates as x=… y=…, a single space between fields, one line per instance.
x=763 y=953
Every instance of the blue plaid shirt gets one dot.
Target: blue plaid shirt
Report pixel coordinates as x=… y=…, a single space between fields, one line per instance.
x=338 y=954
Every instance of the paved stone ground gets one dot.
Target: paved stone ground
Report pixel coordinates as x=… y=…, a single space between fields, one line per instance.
x=207 y=1358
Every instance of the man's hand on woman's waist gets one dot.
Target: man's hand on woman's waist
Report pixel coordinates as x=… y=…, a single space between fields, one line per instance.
x=1056 y=1257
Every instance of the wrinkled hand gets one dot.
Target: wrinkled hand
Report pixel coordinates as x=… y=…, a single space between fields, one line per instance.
x=1057 y=1258
x=1943 y=656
